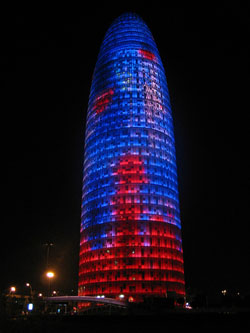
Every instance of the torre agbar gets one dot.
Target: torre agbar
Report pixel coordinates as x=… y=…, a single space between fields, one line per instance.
x=130 y=245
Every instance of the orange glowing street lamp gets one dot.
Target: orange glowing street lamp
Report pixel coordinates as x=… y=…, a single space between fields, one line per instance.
x=12 y=289
x=29 y=285
x=50 y=275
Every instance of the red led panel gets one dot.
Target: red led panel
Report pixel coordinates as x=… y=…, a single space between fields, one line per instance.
x=147 y=54
x=137 y=258
x=103 y=100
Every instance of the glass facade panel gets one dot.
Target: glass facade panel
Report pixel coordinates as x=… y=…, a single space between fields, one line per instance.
x=130 y=228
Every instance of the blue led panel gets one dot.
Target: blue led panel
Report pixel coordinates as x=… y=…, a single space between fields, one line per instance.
x=130 y=230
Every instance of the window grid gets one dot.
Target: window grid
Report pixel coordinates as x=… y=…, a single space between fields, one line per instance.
x=130 y=229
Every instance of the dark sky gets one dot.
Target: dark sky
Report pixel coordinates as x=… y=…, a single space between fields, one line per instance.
x=47 y=65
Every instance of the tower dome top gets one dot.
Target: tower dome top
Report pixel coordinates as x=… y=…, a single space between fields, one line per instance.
x=129 y=16
x=129 y=21
x=128 y=31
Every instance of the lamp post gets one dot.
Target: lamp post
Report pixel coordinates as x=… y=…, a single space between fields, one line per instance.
x=48 y=245
x=29 y=285
x=50 y=275
x=12 y=290
x=11 y=304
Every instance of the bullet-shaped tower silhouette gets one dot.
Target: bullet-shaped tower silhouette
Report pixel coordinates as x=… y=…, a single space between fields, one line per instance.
x=131 y=242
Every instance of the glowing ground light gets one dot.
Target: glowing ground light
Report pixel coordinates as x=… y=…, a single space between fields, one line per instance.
x=30 y=306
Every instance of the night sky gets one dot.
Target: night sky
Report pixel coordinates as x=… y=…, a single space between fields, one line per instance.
x=47 y=61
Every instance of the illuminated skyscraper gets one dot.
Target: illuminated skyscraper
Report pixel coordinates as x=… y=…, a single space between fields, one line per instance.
x=130 y=230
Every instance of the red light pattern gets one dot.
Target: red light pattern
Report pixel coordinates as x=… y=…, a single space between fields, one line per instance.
x=134 y=264
x=129 y=174
x=137 y=257
x=147 y=54
x=103 y=100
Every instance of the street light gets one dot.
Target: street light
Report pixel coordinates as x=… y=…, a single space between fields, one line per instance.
x=29 y=285
x=12 y=289
x=50 y=275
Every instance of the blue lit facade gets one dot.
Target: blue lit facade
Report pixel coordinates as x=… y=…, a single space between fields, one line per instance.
x=130 y=230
